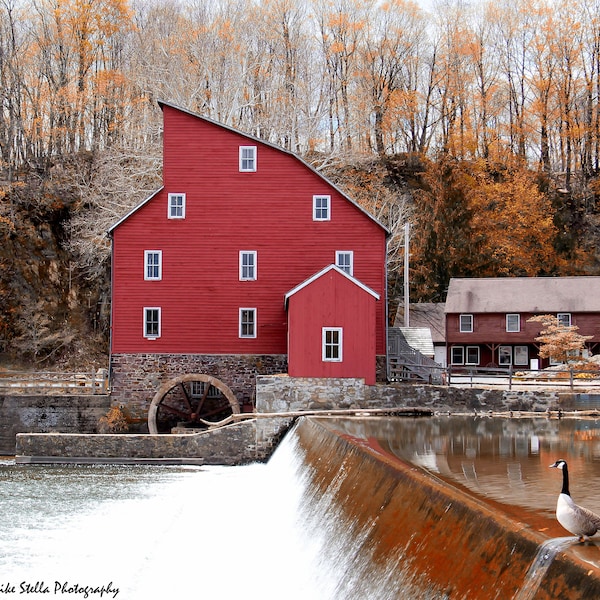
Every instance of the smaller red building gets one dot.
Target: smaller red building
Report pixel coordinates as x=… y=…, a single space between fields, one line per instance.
x=325 y=337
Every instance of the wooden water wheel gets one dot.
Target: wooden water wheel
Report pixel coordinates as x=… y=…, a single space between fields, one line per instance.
x=190 y=401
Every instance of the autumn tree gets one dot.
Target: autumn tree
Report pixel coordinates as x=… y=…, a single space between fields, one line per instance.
x=480 y=219
x=513 y=222
x=558 y=341
x=442 y=246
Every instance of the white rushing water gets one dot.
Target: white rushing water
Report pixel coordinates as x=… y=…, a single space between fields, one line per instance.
x=214 y=533
x=263 y=532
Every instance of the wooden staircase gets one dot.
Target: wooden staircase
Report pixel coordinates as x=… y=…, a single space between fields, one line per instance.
x=405 y=363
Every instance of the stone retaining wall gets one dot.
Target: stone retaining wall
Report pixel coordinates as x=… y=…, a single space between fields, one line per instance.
x=244 y=441
x=280 y=393
x=45 y=413
x=235 y=444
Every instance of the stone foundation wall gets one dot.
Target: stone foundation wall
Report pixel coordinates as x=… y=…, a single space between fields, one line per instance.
x=135 y=378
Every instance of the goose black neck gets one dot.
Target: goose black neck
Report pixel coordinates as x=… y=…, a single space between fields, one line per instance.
x=565 y=487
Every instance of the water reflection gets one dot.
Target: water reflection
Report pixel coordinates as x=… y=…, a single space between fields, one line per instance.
x=502 y=459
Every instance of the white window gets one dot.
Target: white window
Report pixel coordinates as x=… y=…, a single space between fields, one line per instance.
x=247 y=322
x=521 y=355
x=152 y=322
x=344 y=259
x=321 y=208
x=466 y=323
x=332 y=344
x=457 y=355
x=472 y=355
x=513 y=323
x=176 y=206
x=247 y=265
x=247 y=159
x=564 y=319
x=505 y=355
x=201 y=389
x=152 y=265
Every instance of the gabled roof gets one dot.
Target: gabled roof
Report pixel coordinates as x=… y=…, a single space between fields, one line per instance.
x=134 y=209
x=523 y=295
x=162 y=104
x=324 y=272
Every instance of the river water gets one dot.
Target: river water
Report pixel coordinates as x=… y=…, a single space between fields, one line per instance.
x=251 y=532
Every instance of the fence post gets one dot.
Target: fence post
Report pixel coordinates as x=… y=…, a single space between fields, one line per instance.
x=510 y=374
x=571 y=378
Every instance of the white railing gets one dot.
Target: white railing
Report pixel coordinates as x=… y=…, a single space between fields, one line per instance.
x=93 y=382
x=511 y=377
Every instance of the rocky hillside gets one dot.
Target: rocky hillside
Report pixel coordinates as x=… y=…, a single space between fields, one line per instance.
x=50 y=314
x=55 y=290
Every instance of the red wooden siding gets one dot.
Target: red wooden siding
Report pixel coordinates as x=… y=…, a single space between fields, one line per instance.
x=491 y=328
x=269 y=211
x=489 y=332
x=332 y=300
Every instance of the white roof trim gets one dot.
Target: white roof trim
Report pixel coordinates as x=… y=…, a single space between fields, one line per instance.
x=323 y=272
x=134 y=209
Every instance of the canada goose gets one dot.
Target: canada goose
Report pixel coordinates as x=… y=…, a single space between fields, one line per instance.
x=575 y=519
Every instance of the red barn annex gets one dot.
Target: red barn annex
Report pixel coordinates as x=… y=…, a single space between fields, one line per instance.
x=201 y=269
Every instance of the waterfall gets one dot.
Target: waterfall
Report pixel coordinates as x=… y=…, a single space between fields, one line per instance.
x=539 y=567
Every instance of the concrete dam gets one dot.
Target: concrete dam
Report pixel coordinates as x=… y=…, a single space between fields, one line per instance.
x=443 y=507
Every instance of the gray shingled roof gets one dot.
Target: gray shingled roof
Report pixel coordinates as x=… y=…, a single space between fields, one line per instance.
x=523 y=294
x=425 y=314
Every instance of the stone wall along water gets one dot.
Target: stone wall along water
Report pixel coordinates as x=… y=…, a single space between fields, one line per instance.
x=45 y=413
x=280 y=393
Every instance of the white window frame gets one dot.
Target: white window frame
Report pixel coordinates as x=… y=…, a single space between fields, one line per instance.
x=170 y=206
x=147 y=266
x=560 y=317
x=470 y=349
x=469 y=328
x=342 y=263
x=335 y=346
x=321 y=207
x=243 y=323
x=461 y=359
x=248 y=159
x=147 y=334
x=505 y=352
x=248 y=272
x=521 y=356
x=197 y=389
x=513 y=323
